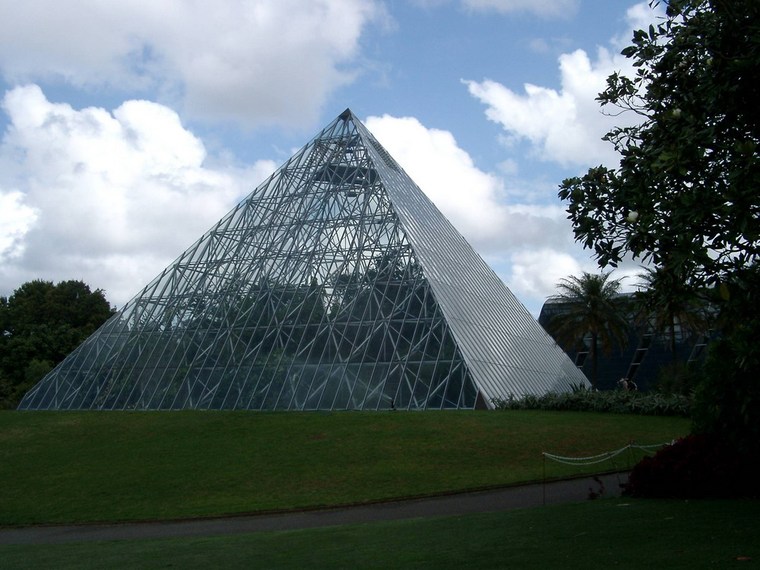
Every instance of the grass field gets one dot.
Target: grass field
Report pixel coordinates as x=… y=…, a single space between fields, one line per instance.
x=70 y=467
x=597 y=534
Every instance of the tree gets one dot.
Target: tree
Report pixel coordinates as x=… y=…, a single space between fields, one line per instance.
x=668 y=303
x=590 y=305
x=685 y=194
x=40 y=324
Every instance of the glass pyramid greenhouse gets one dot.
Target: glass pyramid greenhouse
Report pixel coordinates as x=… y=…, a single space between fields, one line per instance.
x=336 y=284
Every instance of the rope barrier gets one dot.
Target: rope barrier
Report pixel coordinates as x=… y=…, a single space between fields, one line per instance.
x=651 y=449
x=607 y=455
x=585 y=460
x=600 y=458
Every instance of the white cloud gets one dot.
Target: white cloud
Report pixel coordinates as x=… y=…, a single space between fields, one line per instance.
x=466 y=195
x=545 y=8
x=542 y=8
x=565 y=125
x=108 y=197
x=535 y=273
x=251 y=61
x=539 y=45
x=111 y=197
x=15 y=220
x=639 y=17
x=562 y=126
x=471 y=199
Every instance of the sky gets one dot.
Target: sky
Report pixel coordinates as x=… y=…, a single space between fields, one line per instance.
x=127 y=129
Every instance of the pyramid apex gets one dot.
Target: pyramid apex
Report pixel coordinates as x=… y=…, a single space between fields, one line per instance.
x=345 y=115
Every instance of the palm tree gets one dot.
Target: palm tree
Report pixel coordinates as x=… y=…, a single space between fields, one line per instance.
x=669 y=304
x=590 y=305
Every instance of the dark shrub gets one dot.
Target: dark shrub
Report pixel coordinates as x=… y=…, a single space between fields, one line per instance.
x=727 y=401
x=613 y=401
x=694 y=467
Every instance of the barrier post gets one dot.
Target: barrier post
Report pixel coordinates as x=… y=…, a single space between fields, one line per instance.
x=543 y=487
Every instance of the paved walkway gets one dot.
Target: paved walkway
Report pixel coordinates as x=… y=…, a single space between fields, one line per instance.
x=558 y=492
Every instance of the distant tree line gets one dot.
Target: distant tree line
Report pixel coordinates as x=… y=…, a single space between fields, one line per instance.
x=40 y=324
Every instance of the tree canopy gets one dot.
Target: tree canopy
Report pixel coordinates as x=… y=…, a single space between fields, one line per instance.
x=40 y=324
x=591 y=306
x=685 y=194
x=667 y=304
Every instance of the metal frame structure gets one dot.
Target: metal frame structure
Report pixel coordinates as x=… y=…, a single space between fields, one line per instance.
x=336 y=284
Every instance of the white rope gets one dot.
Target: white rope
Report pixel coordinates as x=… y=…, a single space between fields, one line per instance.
x=650 y=449
x=593 y=459
x=585 y=460
x=653 y=446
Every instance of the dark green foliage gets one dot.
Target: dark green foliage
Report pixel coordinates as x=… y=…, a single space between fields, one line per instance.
x=689 y=171
x=679 y=377
x=613 y=401
x=727 y=400
x=684 y=196
x=668 y=304
x=40 y=324
x=694 y=467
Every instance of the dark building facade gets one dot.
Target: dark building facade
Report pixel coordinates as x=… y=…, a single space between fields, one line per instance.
x=642 y=360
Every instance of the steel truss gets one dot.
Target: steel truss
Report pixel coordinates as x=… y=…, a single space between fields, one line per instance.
x=335 y=284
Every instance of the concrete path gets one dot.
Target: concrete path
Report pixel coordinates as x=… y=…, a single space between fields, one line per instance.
x=558 y=492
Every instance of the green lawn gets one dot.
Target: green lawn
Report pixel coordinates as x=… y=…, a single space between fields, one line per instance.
x=105 y=466
x=598 y=534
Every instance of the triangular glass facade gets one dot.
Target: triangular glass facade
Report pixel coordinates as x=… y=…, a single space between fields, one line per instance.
x=336 y=284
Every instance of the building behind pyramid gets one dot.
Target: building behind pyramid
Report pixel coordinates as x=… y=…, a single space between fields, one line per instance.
x=336 y=284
